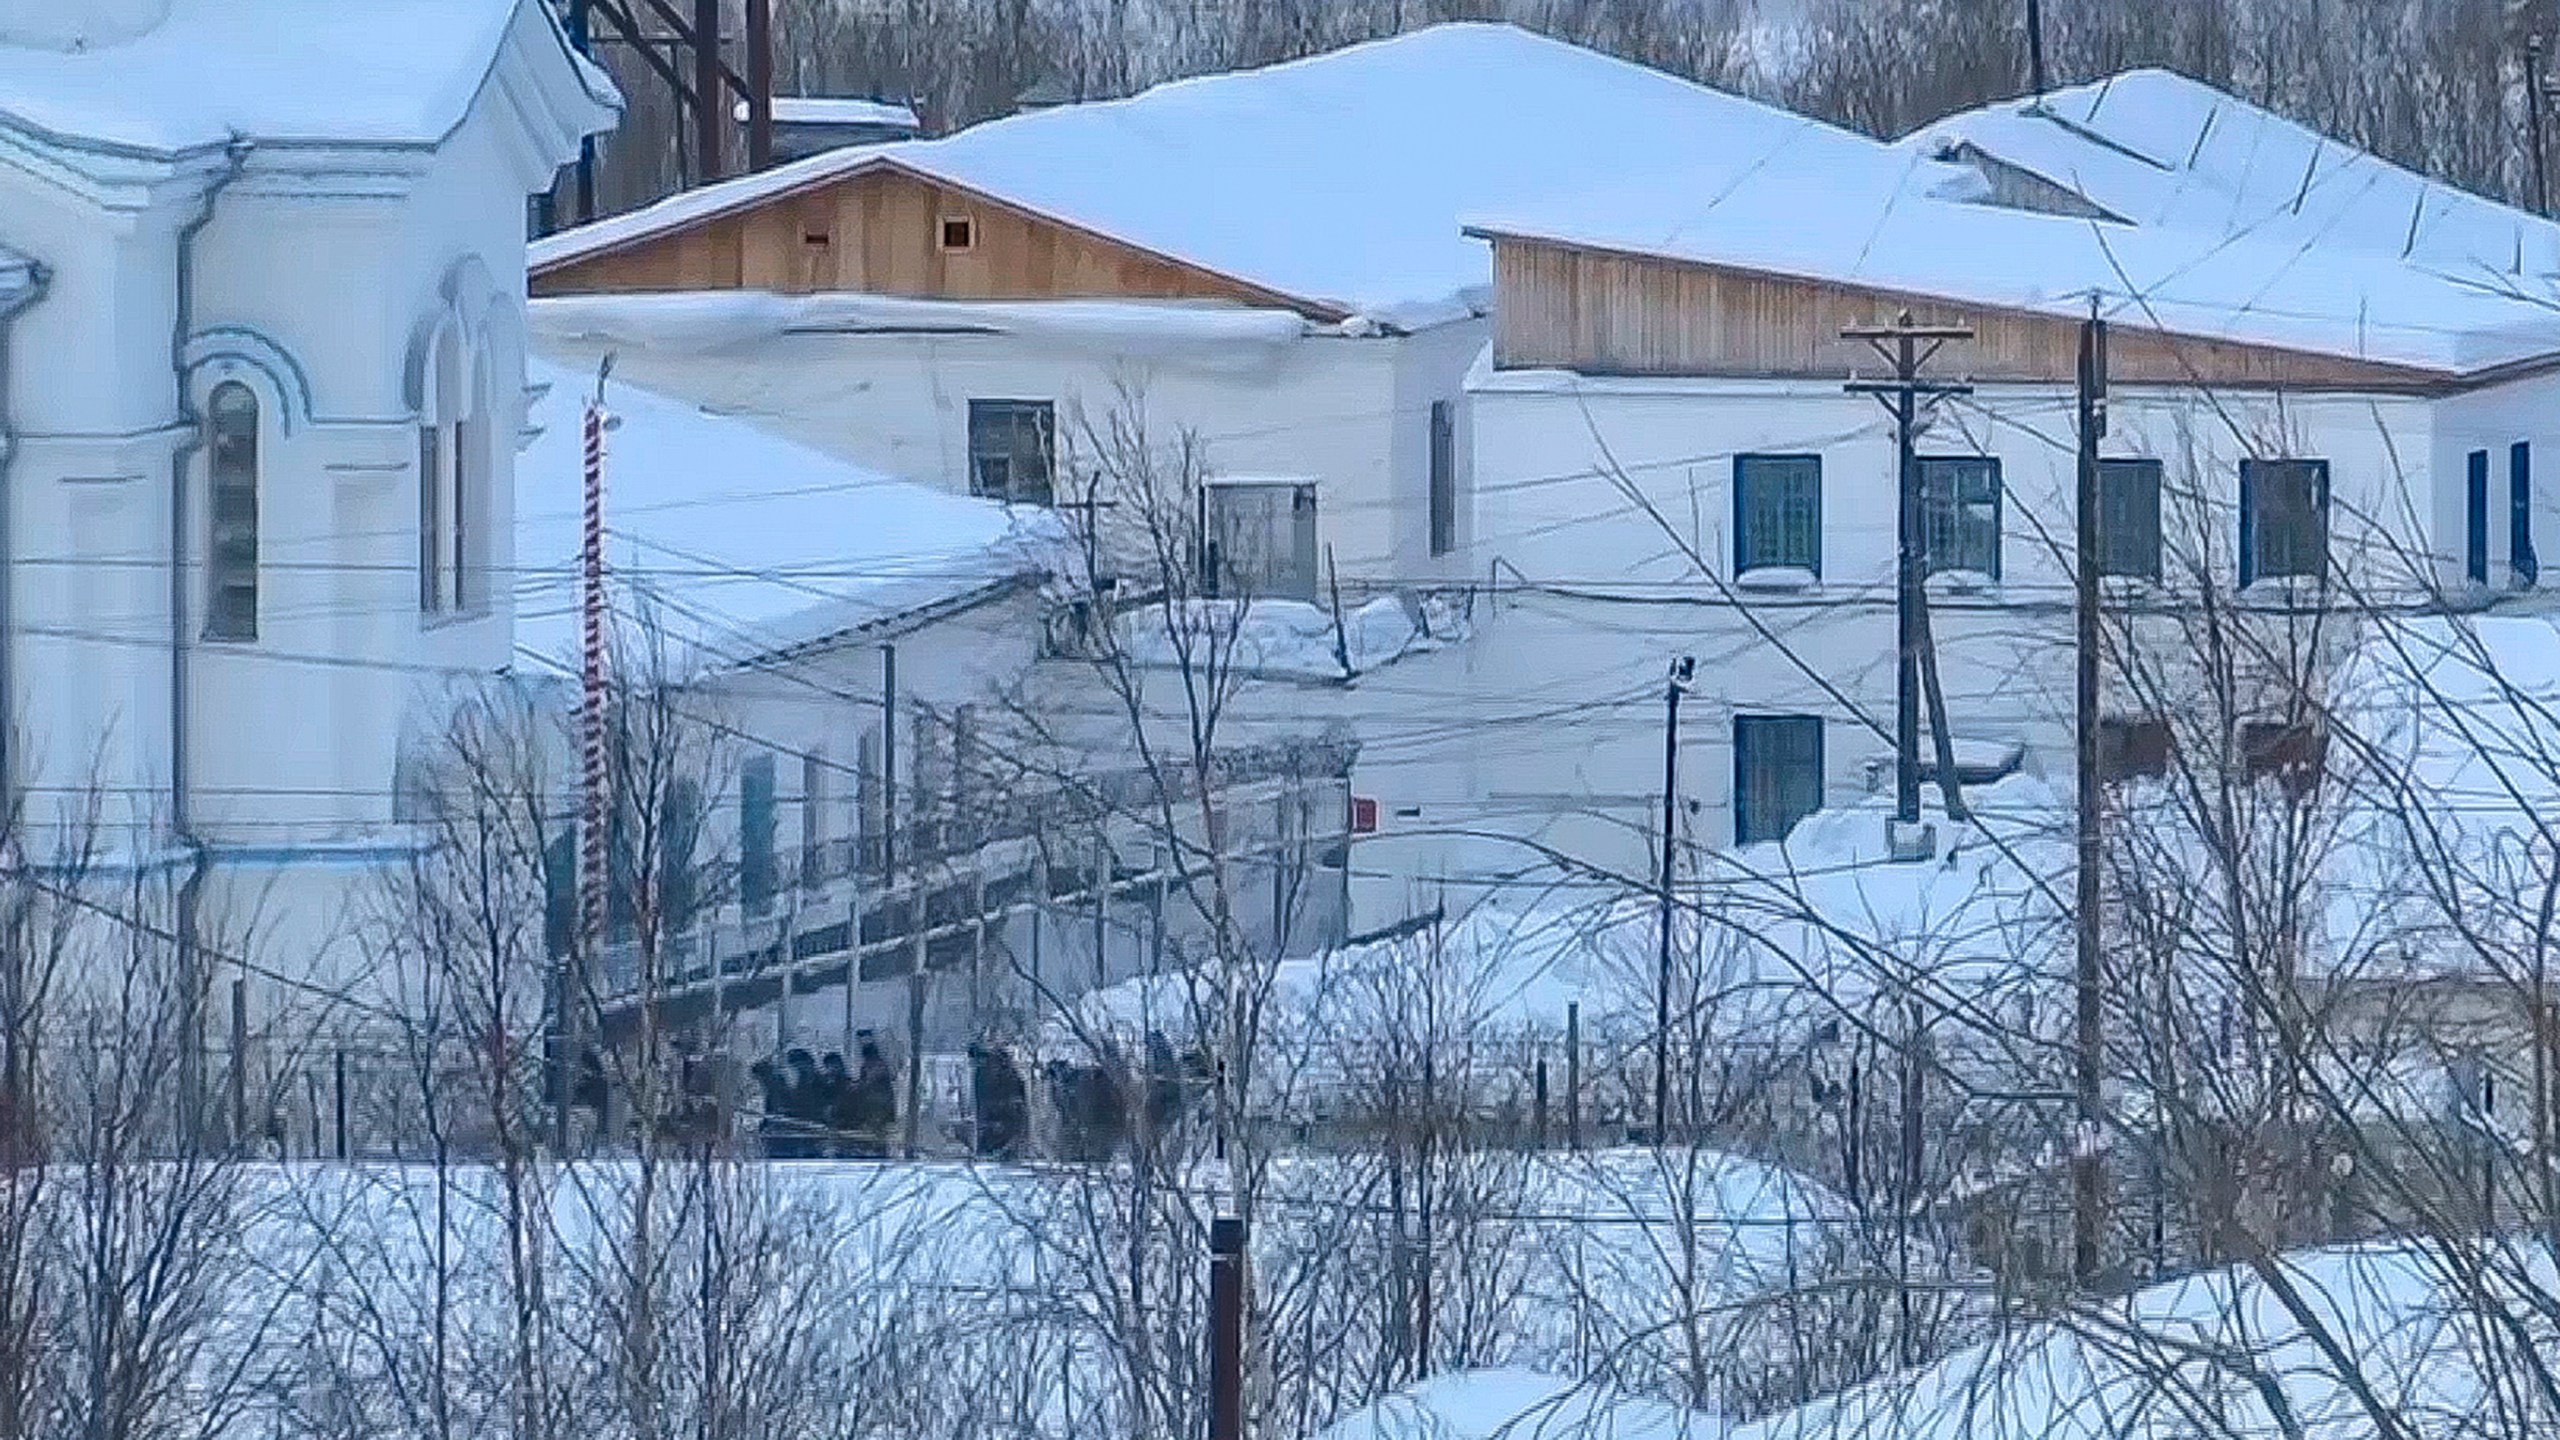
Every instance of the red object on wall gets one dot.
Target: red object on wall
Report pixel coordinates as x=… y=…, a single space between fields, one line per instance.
x=1364 y=815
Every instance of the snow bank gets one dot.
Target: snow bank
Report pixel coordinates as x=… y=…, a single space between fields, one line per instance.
x=1285 y=639
x=2210 y=1354
x=1336 y=180
x=1502 y=1404
x=740 y=543
x=386 y=72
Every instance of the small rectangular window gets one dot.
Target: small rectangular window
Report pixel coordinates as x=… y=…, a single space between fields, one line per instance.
x=1012 y=450
x=813 y=819
x=959 y=232
x=1960 y=514
x=2132 y=746
x=756 y=877
x=2523 y=565
x=1261 y=539
x=1444 y=477
x=2475 y=518
x=2129 y=518
x=2284 y=519
x=1777 y=774
x=2291 y=752
x=1777 y=513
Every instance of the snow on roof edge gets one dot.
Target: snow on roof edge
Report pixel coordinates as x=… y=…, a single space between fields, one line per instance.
x=2127 y=308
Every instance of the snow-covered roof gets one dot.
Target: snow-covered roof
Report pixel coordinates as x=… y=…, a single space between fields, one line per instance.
x=348 y=72
x=837 y=110
x=2201 y=257
x=1336 y=181
x=737 y=542
x=2157 y=148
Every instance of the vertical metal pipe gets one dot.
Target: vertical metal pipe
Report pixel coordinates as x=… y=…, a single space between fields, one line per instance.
x=1226 y=1328
x=2087 y=1177
x=759 y=84
x=1681 y=669
x=710 y=120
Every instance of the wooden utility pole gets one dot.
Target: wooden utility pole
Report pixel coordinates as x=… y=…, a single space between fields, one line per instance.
x=1909 y=347
x=2088 y=1178
x=2534 y=97
x=2035 y=48
x=710 y=115
x=1682 y=669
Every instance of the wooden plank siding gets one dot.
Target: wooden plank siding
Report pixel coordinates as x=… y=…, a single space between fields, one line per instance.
x=879 y=231
x=1604 y=313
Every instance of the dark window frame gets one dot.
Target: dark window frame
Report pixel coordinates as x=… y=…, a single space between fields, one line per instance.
x=1007 y=439
x=1777 y=740
x=2524 y=566
x=1794 y=512
x=2475 y=517
x=1943 y=506
x=759 y=816
x=1444 y=477
x=234 y=418
x=2134 y=747
x=2259 y=544
x=2129 y=539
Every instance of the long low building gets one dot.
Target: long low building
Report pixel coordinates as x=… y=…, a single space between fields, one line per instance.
x=2311 y=411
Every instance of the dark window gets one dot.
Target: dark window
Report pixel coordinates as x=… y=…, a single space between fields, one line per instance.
x=813 y=818
x=2522 y=563
x=1444 y=477
x=756 y=878
x=1261 y=539
x=560 y=892
x=679 y=836
x=1012 y=449
x=959 y=232
x=2284 y=519
x=231 y=601
x=2129 y=518
x=1777 y=512
x=431 y=453
x=1960 y=513
x=2292 y=753
x=2130 y=746
x=1777 y=774
x=2475 y=518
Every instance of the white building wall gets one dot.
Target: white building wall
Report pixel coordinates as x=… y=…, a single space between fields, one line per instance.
x=315 y=280
x=1351 y=414
x=1602 y=583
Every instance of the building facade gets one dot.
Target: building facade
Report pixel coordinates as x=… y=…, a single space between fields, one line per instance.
x=260 y=393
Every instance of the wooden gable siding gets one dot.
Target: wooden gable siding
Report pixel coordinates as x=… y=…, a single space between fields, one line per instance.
x=1598 y=312
x=879 y=231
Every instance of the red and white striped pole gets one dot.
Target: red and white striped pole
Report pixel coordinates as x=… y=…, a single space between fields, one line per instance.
x=595 y=779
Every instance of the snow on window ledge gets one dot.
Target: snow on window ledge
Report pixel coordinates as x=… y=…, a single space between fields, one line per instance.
x=1963 y=582
x=2285 y=590
x=2129 y=589
x=1777 y=579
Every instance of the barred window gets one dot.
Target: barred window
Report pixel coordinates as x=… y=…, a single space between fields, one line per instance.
x=1777 y=512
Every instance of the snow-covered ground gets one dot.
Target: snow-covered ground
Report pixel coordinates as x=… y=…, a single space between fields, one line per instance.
x=2334 y=1344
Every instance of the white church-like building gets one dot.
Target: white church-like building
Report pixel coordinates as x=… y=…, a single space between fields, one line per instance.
x=261 y=391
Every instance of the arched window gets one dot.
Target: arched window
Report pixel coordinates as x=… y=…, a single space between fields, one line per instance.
x=453 y=464
x=231 y=559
